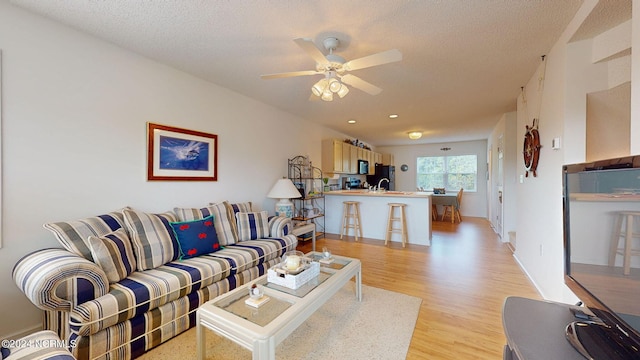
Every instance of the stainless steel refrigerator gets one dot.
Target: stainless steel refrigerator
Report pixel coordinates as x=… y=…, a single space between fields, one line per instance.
x=383 y=171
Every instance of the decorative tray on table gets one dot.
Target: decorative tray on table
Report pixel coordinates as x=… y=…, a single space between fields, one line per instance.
x=292 y=275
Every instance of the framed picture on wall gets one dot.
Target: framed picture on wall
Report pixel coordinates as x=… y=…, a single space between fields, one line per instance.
x=175 y=154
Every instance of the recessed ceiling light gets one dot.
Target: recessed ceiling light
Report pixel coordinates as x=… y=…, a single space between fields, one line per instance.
x=393 y=116
x=351 y=121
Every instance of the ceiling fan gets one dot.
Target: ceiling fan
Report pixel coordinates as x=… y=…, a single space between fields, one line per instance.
x=335 y=68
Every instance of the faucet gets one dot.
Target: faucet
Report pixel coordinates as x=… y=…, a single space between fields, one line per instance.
x=380 y=183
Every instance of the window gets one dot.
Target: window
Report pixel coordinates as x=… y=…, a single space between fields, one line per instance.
x=449 y=172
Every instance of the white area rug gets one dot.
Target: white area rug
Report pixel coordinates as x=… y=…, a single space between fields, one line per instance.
x=379 y=327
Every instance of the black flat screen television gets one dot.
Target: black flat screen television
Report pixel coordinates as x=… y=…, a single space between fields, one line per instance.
x=598 y=198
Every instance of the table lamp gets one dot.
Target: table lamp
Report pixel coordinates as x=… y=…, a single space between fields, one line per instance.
x=284 y=190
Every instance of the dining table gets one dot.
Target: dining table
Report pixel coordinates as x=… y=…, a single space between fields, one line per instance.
x=450 y=199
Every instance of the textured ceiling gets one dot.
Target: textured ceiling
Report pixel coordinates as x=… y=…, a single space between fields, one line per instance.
x=463 y=61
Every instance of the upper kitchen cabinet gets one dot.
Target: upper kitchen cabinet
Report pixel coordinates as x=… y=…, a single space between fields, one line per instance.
x=340 y=157
x=332 y=157
x=387 y=159
x=353 y=159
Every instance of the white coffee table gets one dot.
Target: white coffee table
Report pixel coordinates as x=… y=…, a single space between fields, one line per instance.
x=261 y=330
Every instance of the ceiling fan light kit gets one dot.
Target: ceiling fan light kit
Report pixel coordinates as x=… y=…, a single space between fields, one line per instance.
x=334 y=67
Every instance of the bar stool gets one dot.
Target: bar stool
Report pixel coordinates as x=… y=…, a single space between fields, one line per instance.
x=624 y=229
x=403 y=223
x=351 y=219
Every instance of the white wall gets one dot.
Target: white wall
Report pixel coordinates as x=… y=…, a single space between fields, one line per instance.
x=74 y=139
x=570 y=76
x=474 y=203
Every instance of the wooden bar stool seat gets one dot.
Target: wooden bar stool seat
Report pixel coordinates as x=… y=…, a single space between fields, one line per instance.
x=624 y=228
x=402 y=230
x=351 y=219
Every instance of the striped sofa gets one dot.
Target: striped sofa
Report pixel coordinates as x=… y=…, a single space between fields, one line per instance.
x=42 y=345
x=123 y=311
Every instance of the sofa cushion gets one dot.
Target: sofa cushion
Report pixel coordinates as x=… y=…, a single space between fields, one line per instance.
x=74 y=235
x=223 y=220
x=252 y=225
x=196 y=237
x=114 y=254
x=153 y=240
x=146 y=290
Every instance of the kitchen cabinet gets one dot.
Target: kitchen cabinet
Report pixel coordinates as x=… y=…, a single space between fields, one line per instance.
x=346 y=158
x=339 y=157
x=372 y=163
x=353 y=160
x=377 y=159
x=310 y=208
x=387 y=159
x=332 y=160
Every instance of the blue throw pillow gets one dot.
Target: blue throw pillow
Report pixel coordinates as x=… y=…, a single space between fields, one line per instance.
x=197 y=237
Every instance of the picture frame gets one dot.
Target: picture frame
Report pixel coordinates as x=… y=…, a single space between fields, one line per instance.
x=175 y=154
x=0 y=148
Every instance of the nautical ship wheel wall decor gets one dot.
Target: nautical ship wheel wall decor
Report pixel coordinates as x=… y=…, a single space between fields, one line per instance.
x=531 y=148
x=531 y=151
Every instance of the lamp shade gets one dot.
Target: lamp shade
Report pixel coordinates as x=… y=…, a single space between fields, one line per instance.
x=284 y=190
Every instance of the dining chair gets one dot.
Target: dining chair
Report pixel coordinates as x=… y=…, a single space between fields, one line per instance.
x=454 y=209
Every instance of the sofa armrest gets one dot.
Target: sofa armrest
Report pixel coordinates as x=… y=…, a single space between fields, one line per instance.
x=280 y=226
x=58 y=280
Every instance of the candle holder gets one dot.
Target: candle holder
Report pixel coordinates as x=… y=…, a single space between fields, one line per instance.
x=293 y=262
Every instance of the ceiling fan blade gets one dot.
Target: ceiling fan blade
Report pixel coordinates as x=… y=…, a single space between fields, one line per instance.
x=358 y=83
x=289 y=74
x=311 y=49
x=381 y=58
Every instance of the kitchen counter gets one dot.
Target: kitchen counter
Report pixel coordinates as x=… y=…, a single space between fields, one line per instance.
x=392 y=193
x=374 y=211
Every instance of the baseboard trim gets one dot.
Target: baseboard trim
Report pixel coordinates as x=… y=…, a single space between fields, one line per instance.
x=22 y=333
x=526 y=273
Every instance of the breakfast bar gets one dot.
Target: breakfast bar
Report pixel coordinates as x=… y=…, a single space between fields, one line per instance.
x=374 y=211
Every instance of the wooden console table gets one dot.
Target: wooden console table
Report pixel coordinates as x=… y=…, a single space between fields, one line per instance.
x=535 y=329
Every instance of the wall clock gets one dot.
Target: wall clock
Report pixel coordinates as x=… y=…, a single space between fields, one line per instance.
x=531 y=150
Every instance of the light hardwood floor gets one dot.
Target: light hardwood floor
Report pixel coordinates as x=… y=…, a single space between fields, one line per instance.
x=462 y=278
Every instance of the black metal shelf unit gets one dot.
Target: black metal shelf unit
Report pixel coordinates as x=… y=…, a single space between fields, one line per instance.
x=310 y=208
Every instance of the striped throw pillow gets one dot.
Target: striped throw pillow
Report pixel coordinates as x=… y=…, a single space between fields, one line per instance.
x=74 y=235
x=153 y=240
x=240 y=207
x=252 y=225
x=114 y=254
